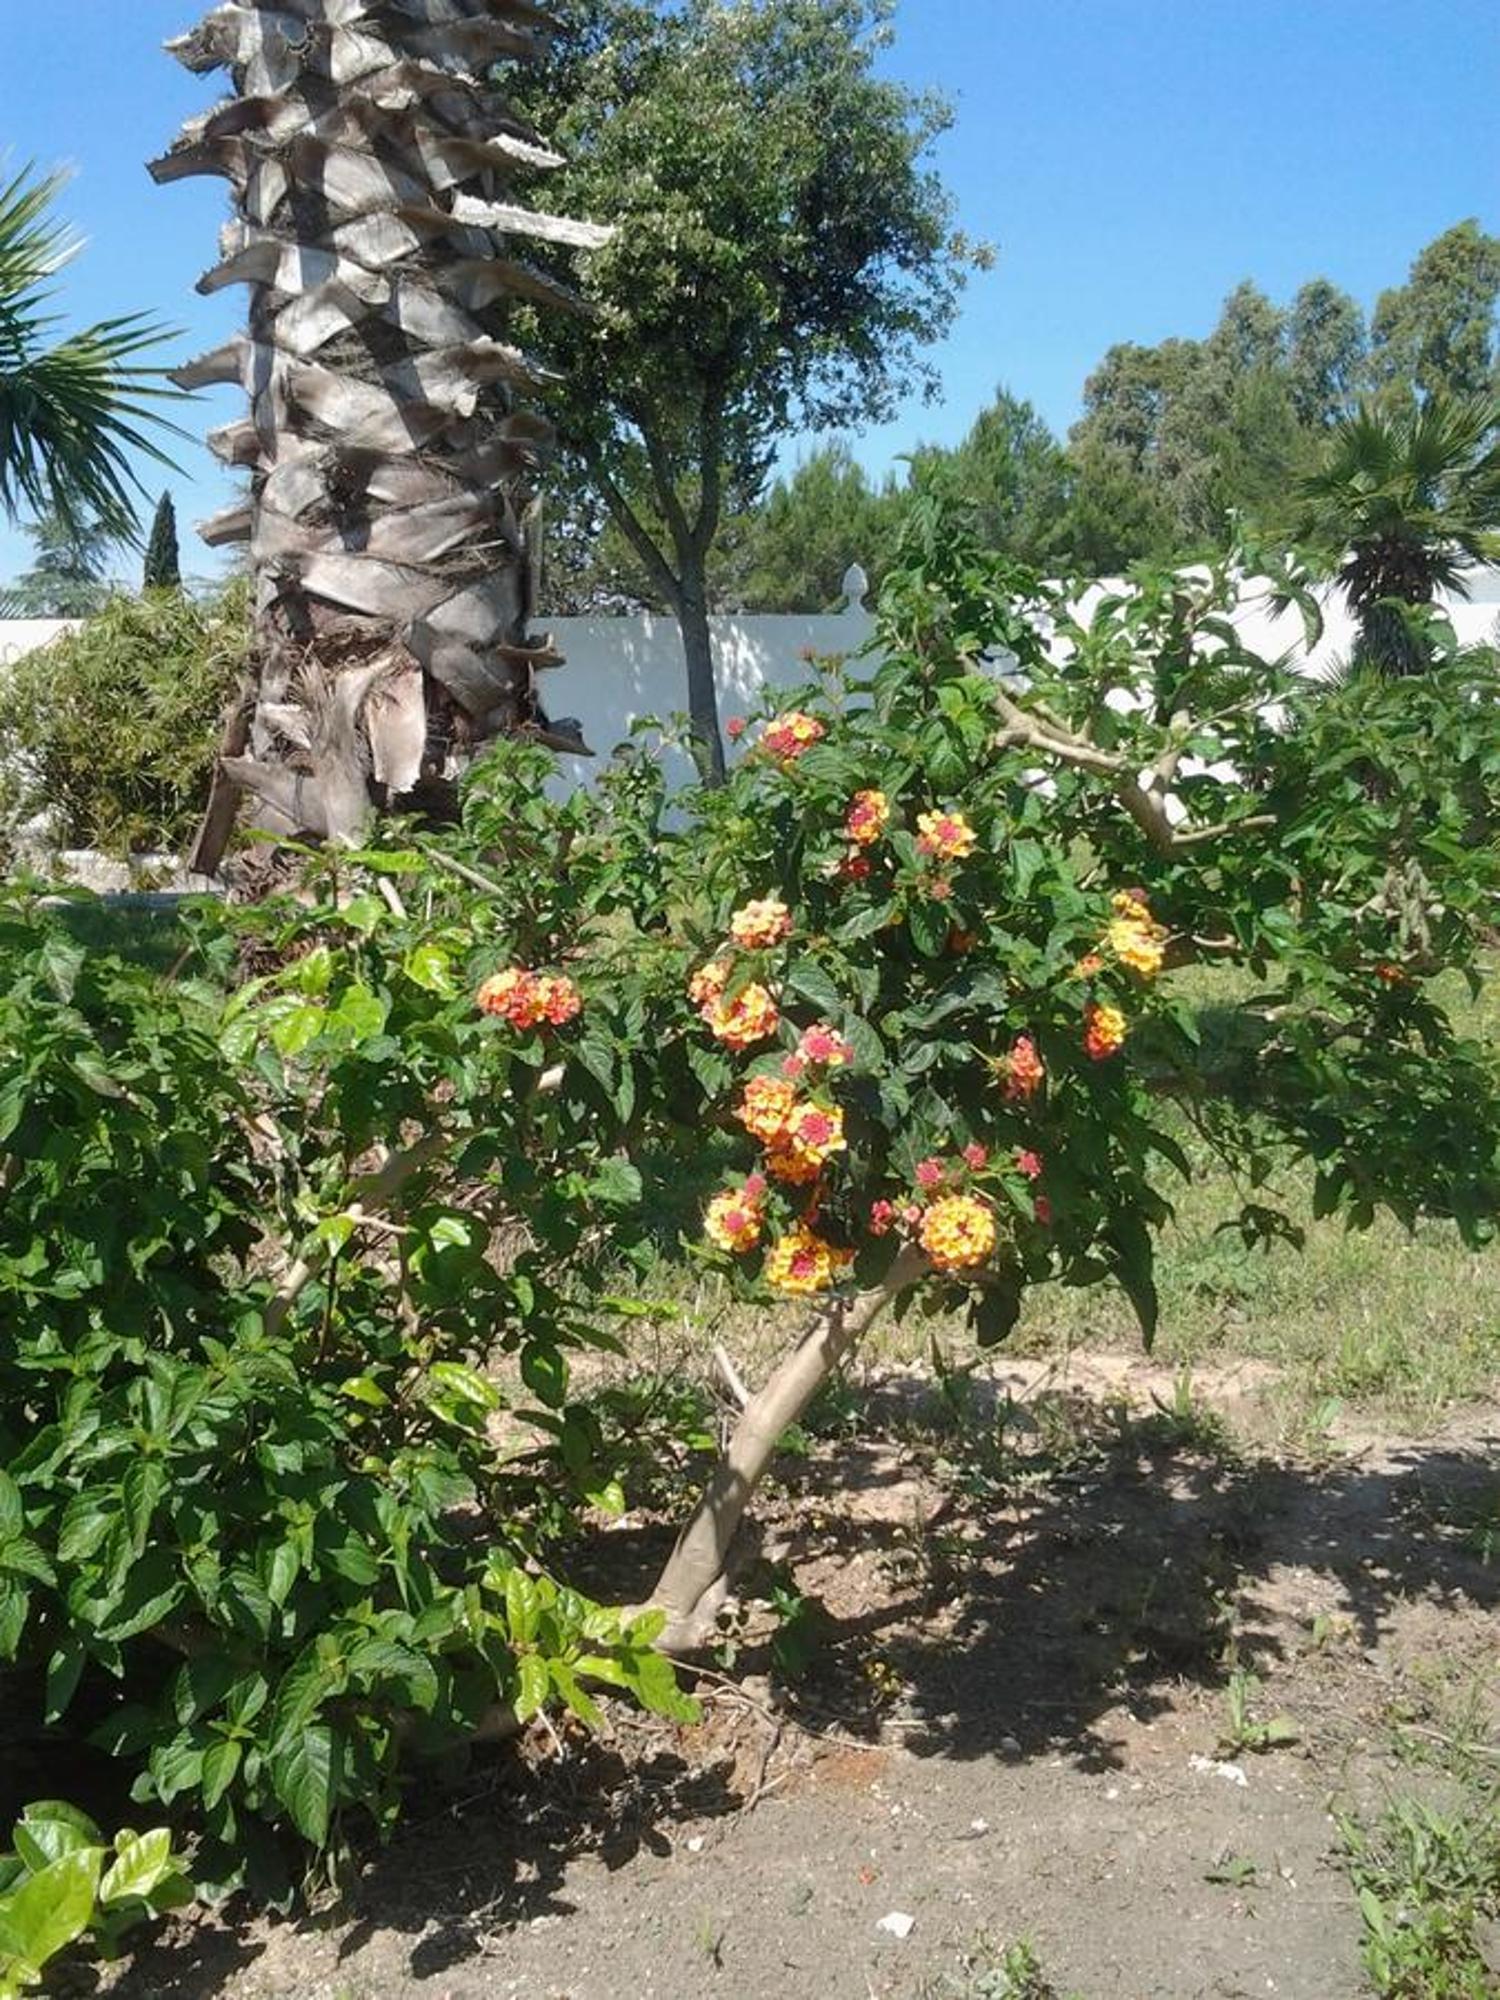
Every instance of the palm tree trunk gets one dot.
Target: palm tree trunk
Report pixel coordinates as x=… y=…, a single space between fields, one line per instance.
x=390 y=459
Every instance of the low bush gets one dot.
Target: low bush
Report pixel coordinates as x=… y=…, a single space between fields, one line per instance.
x=110 y=733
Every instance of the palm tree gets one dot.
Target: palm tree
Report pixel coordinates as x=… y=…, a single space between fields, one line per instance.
x=1406 y=499
x=390 y=528
x=73 y=408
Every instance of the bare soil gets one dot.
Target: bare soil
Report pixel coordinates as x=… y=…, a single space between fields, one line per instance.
x=1010 y=1724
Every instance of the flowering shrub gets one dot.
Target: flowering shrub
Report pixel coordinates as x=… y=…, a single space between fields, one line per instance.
x=891 y=1016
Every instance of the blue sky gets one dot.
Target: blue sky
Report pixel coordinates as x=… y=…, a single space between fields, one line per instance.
x=1130 y=160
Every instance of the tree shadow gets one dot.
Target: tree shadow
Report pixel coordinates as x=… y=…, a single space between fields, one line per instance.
x=1117 y=1585
x=1111 y=1585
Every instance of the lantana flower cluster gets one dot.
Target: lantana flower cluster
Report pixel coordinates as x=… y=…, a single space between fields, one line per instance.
x=1135 y=938
x=529 y=999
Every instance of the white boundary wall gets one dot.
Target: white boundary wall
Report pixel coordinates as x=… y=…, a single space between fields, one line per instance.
x=621 y=669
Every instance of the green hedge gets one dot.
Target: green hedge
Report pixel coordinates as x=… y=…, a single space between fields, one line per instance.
x=112 y=729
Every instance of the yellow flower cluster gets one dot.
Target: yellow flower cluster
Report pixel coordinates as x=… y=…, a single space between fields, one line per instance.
x=958 y=1233
x=947 y=836
x=1104 y=1031
x=748 y=1018
x=802 y=1263
x=761 y=924
x=1135 y=937
x=734 y=1222
x=869 y=816
x=766 y=1106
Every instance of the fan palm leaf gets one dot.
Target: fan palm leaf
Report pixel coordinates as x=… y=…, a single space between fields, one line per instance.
x=1405 y=503
x=75 y=408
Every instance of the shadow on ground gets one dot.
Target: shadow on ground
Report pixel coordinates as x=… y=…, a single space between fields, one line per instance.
x=1022 y=1625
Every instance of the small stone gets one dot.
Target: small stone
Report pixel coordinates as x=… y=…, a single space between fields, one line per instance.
x=898 y=1923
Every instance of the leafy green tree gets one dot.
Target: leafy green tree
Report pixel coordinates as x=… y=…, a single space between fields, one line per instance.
x=163 y=569
x=68 y=577
x=74 y=407
x=1327 y=352
x=781 y=255
x=1407 y=497
x=110 y=733
x=1438 y=332
x=798 y=545
x=1012 y=474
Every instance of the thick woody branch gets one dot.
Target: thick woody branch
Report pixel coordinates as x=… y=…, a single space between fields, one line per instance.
x=1146 y=804
x=690 y=1587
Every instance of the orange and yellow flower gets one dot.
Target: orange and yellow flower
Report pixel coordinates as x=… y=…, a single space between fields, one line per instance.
x=792 y=735
x=869 y=816
x=748 y=1018
x=796 y=1169
x=734 y=1222
x=708 y=982
x=803 y=1264
x=766 y=1106
x=958 y=1233
x=1023 y=1070
x=527 y=999
x=948 y=836
x=1135 y=937
x=759 y=925
x=825 y=1045
x=815 y=1132
x=1104 y=1031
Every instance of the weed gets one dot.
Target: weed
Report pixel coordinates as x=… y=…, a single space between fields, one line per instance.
x=1244 y=1731
x=1426 y=1882
x=991 y=1972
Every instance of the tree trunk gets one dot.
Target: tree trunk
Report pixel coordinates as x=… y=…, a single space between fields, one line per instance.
x=698 y=650
x=371 y=165
x=691 y=1587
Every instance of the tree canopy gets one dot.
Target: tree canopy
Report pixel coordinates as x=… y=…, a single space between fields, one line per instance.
x=782 y=254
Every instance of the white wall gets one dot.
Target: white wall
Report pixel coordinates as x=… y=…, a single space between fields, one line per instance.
x=621 y=669
x=19 y=636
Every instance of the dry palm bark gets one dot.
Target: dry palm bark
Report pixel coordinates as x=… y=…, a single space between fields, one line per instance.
x=373 y=167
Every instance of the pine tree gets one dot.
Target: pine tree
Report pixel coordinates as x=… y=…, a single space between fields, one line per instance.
x=163 y=561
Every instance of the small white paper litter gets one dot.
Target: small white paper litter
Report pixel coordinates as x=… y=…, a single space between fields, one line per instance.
x=1231 y=1773
x=898 y=1923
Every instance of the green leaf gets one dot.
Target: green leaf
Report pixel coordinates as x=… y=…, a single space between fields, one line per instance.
x=221 y=1760
x=929 y=925
x=64 y=1671
x=297 y=1028
x=545 y=1372
x=616 y=1183
x=142 y=1861
x=51 y=1910
x=15 y=1603
x=1134 y=1264
x=49 y=1829
x=807 y=978
x=12 y=1513
x=997 y=1309
x=573 y=1693
x=535 y=1685
x=305 y=1777
x=141 y=1491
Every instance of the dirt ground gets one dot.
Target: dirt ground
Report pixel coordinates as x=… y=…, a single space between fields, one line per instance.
x=1010 y=1725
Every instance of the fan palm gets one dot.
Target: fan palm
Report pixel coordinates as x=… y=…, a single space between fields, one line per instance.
x=1406 y=500
x=372 y=162
x=74 y=408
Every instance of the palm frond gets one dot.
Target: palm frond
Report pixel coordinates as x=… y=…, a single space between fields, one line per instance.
x=74 y=408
